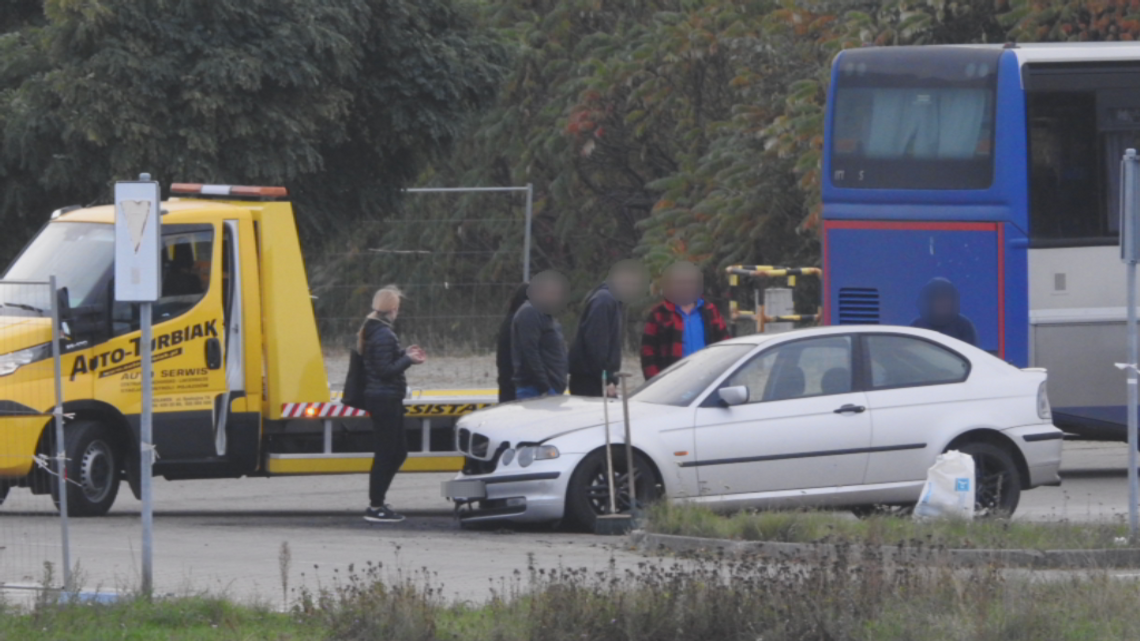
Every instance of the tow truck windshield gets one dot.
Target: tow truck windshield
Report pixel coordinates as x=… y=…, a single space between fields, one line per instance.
x=79 y=255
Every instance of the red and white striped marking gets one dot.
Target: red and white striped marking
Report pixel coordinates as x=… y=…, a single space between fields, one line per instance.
x=320 y=410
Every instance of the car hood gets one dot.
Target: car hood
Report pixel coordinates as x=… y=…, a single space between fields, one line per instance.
x=22 y=332
x=537 y=420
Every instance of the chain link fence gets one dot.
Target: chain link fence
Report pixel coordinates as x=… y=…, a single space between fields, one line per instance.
x=458 y=255
x=34 y=551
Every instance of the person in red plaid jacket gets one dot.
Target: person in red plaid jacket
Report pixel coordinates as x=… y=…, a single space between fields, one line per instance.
x=681 y=324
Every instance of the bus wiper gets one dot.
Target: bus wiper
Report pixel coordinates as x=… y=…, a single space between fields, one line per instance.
x=24 y=307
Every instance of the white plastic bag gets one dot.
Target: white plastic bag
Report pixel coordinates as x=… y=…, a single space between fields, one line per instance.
x=949 y=489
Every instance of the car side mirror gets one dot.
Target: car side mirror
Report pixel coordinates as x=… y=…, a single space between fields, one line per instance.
x=733 y=396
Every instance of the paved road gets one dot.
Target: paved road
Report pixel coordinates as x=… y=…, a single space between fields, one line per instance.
x=225 y=536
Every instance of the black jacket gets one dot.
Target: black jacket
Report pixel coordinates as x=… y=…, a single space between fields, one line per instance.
x=597 y=346
x=538 y=351
x=384 y=361
x=504 y=363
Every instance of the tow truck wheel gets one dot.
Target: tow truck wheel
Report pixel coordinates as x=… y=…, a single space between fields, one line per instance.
x=93 y=464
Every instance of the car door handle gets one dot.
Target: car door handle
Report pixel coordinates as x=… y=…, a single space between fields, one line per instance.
x=851 y=409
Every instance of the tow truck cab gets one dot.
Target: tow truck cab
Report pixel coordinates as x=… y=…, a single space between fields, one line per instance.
x=238 y=365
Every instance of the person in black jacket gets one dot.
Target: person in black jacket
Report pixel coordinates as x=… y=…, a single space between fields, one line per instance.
x=503 y=362
x=538 y=351
x=598 y=344
x=385 y=388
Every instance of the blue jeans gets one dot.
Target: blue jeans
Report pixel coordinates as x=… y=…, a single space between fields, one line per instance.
x=523 y=393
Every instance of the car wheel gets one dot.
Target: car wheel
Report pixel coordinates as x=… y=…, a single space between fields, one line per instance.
x=997 y=483
x=93 y=464
x=588 y=495
x=3 y=492
x=870 y=511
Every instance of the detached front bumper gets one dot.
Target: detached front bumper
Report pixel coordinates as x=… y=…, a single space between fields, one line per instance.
x=524 y=496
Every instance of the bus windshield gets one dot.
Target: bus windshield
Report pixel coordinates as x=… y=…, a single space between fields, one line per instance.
x=914 y=119
x=79 y=255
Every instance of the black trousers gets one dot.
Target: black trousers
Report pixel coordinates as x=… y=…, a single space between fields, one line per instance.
x=391 y=445
x=585 y=385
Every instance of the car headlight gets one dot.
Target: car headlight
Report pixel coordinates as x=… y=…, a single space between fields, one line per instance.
x=13 y=361
x=507 y=456
x=532 y=453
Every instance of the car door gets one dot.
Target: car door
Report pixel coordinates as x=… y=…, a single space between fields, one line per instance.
x=803 y=426
x=187 y=347
x=913 y=384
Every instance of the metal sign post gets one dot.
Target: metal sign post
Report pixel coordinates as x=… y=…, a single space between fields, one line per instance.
x=138 y=279
x=1130 y=254
x=61 y=444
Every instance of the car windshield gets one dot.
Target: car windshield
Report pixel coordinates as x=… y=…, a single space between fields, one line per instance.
x=686 y=379
x=79 y=255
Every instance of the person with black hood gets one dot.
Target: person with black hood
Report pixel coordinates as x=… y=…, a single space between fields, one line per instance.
x=940 y=309
x=503 y=362
x=538 y=351
x=385 y=388
x=597 y=348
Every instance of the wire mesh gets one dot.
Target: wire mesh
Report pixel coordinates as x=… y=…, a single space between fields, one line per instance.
x=31 y=549
x=458 y=259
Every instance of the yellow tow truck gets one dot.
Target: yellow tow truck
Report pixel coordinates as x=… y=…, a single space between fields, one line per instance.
x=234 y=325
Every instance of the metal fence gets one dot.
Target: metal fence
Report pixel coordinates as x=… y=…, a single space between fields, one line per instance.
x=458 y=254
x=34 y=546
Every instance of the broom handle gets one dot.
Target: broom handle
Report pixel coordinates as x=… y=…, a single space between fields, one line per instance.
x=609 y=452
x=628 y=446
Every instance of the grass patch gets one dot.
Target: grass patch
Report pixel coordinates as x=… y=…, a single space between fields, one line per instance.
x=823 y=527
x=853 y=598
x=188 y=619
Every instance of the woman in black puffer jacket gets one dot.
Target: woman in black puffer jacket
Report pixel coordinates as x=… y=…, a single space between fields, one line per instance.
x=384 y=365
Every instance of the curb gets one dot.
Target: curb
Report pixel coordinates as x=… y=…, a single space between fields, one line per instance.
x=650 y=543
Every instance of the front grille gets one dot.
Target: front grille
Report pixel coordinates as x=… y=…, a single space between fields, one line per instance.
x=858 y=306
x=479 y=445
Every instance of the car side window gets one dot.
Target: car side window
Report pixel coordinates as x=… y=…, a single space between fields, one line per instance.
x=801 y=369
x=905 y=361
x=186 y=261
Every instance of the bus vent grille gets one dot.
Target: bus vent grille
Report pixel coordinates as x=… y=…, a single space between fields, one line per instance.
x=858 y=306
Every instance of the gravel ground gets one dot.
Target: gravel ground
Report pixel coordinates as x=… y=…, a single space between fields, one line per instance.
x=452 y=372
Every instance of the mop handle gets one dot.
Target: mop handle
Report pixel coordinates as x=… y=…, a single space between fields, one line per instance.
x=628 y=446
x=609 y=451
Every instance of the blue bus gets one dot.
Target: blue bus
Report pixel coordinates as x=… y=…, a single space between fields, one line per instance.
x=975 y=190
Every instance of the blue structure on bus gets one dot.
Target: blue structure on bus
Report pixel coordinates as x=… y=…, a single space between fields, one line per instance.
x=984 y=174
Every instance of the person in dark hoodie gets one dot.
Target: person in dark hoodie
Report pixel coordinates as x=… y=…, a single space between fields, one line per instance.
x=503 y=361
x=597 y=346
x=538 y=351
x=385 y=388
x=940 y=309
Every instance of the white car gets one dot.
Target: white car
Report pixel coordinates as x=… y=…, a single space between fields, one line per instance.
x=844 y=417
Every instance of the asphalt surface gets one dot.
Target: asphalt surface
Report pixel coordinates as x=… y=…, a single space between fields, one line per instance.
x=226 y=536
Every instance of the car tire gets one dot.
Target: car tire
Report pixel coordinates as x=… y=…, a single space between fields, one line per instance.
x=587 y=496
x=93 y=468
x=4 y=487
x=997 y=481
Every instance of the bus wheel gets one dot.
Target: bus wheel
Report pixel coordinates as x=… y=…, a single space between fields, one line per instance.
x=93 y=464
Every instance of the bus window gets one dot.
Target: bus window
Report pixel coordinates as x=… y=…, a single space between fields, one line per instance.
x=905 y=121
x=1065 y=195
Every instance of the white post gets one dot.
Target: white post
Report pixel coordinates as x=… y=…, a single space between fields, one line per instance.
x=138 y=279
x=1131 y=254
x=146 y=453
x=61 y=446
x=529 y=227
